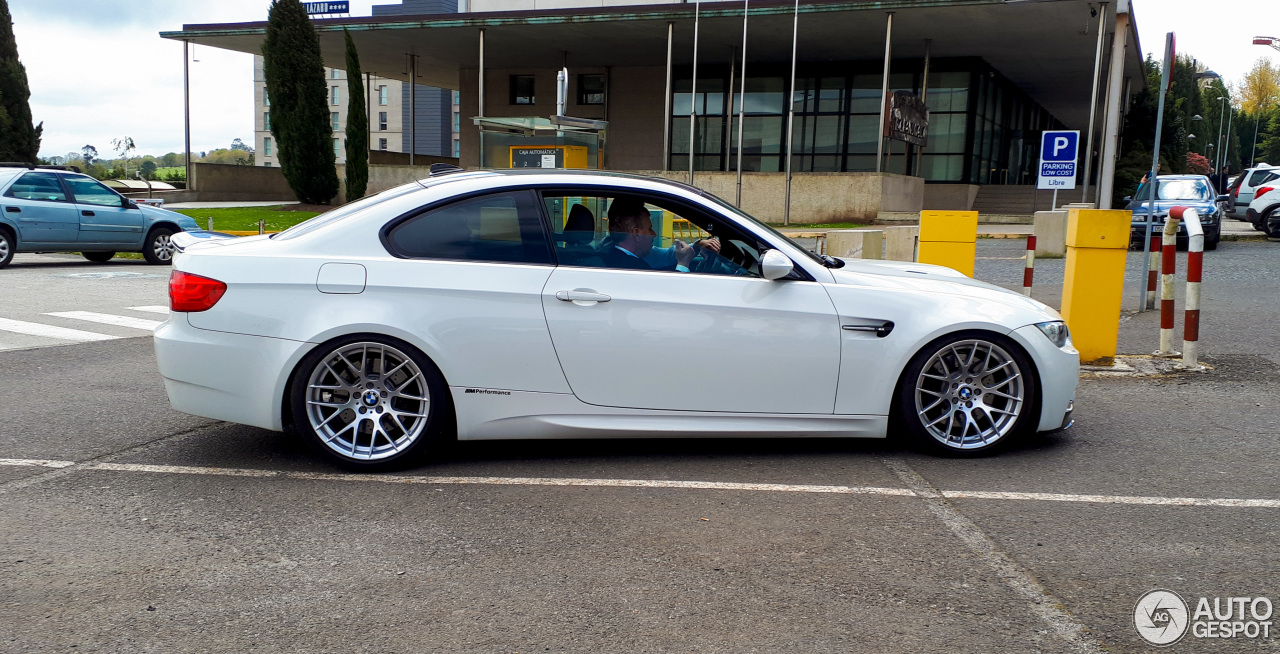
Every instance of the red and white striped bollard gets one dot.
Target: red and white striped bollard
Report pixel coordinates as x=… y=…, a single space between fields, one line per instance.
x=1195 y=267
x=1153 y=269
x=1029 y=271
x=1169 y=263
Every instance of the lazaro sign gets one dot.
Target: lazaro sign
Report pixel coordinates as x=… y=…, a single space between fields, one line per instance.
x=908 y=118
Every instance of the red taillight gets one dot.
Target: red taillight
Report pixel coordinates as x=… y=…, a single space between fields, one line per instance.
x=191 y=293
x=1263 y=191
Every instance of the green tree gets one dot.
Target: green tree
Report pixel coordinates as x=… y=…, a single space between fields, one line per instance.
x=357 y=125
x=294 y=72
x=148 y=169
x=19 y=141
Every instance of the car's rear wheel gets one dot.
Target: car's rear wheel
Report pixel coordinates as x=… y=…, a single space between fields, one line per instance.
x=98 y=257
x=967 y=393
x=158 y=249
x=7 y=247
x=370 y=402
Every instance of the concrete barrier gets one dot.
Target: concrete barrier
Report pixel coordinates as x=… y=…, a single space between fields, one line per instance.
x=855 y=243
x=900 y=242
x=1051 y=234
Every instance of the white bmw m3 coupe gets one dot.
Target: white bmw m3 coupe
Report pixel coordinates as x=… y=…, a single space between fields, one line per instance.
x=556 y=304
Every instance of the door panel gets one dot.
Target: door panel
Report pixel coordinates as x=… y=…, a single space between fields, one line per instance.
x=37 y=204
x=666 y=340
x=102 y=218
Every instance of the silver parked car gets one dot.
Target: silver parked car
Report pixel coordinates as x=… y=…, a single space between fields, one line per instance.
x=54 y=210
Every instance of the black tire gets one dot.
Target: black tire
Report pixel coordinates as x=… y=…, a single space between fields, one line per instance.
x=1212 y=244
x=156 y=249
x=338 y=398
x=1012 y=419
x=8 y=245
x=98 y=257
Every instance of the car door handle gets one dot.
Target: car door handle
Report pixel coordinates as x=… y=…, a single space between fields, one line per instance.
x=581 y=296
x=86 y=213
x=13 y=209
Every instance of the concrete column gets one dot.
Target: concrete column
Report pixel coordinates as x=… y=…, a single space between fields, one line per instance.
x=855 y=243
x=1114 y=112
x=1051 y=234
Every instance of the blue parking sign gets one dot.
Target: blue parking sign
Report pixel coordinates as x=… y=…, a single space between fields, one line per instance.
x=1058 y=160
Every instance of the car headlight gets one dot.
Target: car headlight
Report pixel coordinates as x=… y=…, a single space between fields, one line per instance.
x=1056 y=331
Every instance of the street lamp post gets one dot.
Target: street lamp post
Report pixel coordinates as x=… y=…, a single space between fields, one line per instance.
x=1217 y=153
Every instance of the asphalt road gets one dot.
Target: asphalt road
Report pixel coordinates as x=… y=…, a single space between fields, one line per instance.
x=161 y=532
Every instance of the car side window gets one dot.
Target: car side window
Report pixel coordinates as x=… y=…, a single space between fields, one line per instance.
x=502 y=227
x=676 y=238
x=37 y=186
x=88 y=191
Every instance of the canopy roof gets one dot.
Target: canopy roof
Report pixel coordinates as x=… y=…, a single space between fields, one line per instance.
x=1045 y=47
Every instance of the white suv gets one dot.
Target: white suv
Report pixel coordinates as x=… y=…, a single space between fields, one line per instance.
x=1264 y=211
x=1243 y=190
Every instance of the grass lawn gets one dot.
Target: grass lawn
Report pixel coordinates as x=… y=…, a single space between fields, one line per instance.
x=822 y=226
x=246 y=218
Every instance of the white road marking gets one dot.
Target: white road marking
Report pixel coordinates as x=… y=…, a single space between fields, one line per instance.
x=41 y=463
x=37 y=329
x=1044 y=605
x=152 y=309
x=650 y=483
x=108 y=319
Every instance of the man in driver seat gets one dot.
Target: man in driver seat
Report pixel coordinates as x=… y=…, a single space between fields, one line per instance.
x=631 y=237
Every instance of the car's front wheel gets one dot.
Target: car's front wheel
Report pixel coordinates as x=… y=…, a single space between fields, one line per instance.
x=98 y=257
x=158 y=250
x=967 y=393
x=370 y=402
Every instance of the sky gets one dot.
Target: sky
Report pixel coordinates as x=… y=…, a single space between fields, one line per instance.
x=98 y=69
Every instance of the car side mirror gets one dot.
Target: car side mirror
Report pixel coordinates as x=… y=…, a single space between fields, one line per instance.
x=127 y=203
x=1127 y=198
x=775 y=265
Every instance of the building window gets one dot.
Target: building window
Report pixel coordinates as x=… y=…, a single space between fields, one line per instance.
x=335 y=74
x=335 y=96
x=457 y=97
x=266 y=120
x=382 y=95
x=522 y=89
x=591 y=89
x=457 y=122
x=266 y=164
x=337 y=147
x=382 y=144
x=266 y=147
x=382 y=121
x=266 y=100
x=333 y=118
x=457 y=148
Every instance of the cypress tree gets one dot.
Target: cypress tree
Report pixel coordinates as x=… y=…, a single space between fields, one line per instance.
x=19 y=141
x=294 y=72
x=357 y=125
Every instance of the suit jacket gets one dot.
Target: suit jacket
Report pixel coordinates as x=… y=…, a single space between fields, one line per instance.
x=615 y=258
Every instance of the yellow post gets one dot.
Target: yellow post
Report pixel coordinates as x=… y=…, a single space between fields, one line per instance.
x=949 y=238
x=1097 y=241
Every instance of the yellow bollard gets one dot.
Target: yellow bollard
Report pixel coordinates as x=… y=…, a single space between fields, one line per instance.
x=949 y=238
x=1097 y=241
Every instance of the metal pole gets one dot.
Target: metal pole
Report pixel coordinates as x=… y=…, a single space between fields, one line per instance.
x=1115 y=110
x=368 y=102
x=1226 y=147
x=1222 y=119
x=924 y=98
x=481 y=111
x=413 y=107
x=742 y=100
x=733 y=62
x=693 y=95
x=1255 y=139
x=791 y=113
x=1152 y=178
x=666 y=115
x=884 y=91
x=1093 y=102
x=186 y=107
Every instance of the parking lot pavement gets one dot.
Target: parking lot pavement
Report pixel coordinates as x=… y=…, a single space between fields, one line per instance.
x=59 y=299
x=132 y=527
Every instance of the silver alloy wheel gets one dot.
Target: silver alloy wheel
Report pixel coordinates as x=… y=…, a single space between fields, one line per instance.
x=163 y=247
x=367 y=401
x=4 y=248
x=970 y=394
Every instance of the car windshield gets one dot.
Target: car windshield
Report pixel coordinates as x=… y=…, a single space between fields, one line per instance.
x=1179 y=189
x=748 y=217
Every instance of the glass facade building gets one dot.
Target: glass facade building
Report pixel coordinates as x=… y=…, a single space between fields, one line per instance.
x=982 y=128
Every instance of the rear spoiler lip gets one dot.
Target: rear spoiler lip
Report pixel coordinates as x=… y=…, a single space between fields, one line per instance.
x=183 y=240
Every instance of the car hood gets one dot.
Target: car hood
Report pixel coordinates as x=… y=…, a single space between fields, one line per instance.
x=1162 y=207
x=923 y=277
x=181 y=220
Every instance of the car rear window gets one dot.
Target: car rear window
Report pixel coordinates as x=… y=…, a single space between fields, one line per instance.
x=499 y=227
